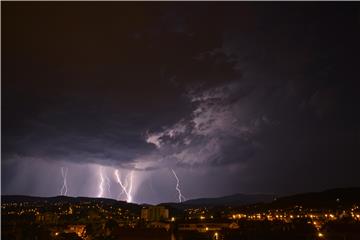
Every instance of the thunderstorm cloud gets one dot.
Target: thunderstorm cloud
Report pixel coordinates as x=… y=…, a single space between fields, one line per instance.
x=240 y=98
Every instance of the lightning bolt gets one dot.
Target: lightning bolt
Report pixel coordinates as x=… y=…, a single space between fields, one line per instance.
x=64 y=188
x=181 y=197
x=129 y=196
x=118 y=179
x=127 y=186
x=107 y=181
x=101 y=184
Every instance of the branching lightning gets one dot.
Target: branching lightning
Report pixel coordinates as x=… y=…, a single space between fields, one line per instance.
x=127 y=186
x=64 y=188
x=101 y=184
x=181 y=197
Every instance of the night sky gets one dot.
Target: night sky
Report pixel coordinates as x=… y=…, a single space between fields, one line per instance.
x=234 y=97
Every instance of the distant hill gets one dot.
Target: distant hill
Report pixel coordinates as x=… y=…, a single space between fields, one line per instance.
x=328 y=198
x=232 y=200
x=63 y=199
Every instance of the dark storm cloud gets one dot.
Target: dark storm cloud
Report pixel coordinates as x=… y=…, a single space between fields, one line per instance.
x=250 y=86
x=306 y=67
x=90 y=97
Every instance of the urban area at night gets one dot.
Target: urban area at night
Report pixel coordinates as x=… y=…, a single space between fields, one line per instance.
x=210 y=120
x=332 y=214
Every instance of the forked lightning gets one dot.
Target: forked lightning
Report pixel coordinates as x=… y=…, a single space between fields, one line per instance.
x=64 y=188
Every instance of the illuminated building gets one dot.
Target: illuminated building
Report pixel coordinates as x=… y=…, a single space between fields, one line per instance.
x=209 y=226
x=47 y=217
x=79 y=229
x=154 y=213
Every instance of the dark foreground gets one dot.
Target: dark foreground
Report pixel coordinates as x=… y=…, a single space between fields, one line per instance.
x=328 y=215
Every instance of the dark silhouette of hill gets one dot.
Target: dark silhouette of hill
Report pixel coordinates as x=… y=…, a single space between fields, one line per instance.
x=63 y=199
x=328 y=198
x=232 y=200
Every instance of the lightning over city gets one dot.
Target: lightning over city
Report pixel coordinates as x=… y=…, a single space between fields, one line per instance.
x=179 y=120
